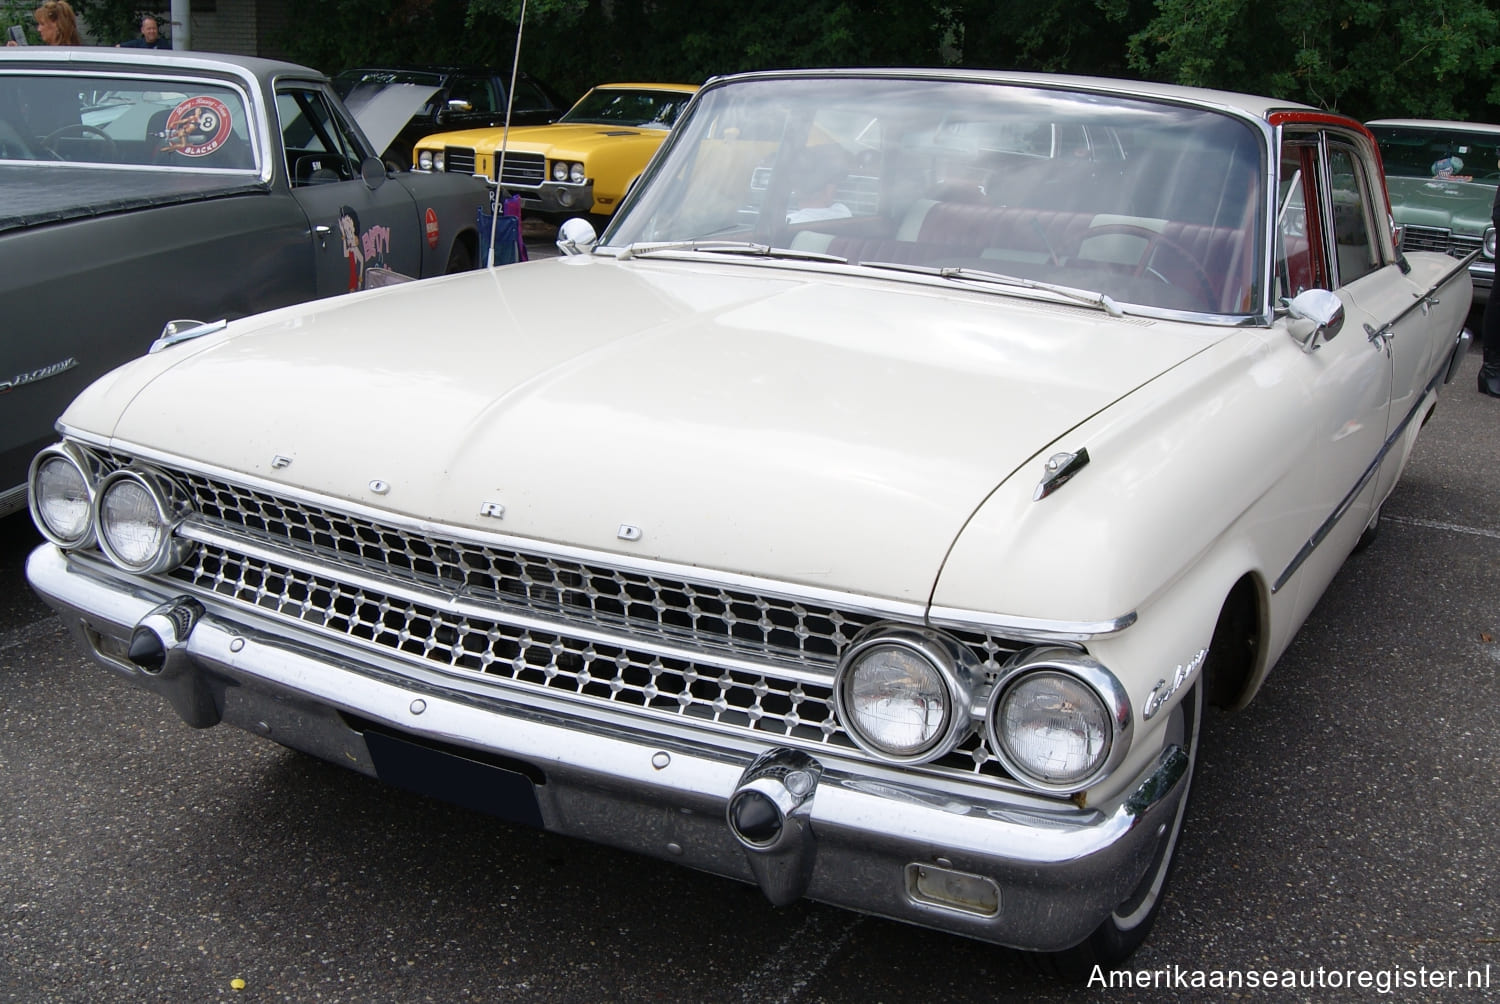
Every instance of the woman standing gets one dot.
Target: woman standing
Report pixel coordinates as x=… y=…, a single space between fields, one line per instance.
x=56 y=23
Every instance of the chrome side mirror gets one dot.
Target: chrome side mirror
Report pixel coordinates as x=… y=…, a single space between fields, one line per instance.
x=576 y=236
x=1316 y=315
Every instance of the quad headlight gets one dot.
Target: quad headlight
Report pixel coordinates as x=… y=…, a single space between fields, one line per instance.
x=135 y=515
x=62 y=497
x=430 y=160
x=1058 y=720
x=568 y=170
x=904 y=694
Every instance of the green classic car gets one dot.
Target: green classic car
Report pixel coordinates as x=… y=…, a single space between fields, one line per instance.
x=1442 y=177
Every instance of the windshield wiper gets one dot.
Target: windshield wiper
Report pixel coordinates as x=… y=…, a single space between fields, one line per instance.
x=716 y=246
x=1092 y=299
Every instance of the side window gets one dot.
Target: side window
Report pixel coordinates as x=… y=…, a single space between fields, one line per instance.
x=1300 y=263
x=529 y=97
x=1353 y=232
x=319 y=146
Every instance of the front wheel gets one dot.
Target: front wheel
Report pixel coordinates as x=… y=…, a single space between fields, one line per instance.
x=460 y=259
x=1123 y=931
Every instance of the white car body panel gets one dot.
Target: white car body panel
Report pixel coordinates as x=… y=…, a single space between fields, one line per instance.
x=838 y=441
x=694 y=529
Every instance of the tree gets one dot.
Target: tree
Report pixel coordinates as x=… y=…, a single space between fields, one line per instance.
x=1366 y=58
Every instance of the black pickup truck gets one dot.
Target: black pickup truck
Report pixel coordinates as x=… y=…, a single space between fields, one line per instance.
x=146 y=186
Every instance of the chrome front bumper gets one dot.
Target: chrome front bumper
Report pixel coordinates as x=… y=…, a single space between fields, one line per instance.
x=557 y=198
x=987 y=864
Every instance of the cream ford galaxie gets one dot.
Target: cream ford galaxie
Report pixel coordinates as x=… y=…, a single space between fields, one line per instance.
x=868 y=514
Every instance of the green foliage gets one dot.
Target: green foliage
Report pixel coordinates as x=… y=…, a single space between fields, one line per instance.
x=1367 y=58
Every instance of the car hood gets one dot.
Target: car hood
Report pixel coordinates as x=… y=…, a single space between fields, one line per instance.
x=833 y=430
x=1461 y=206
x=544 y=138
x=382 y=110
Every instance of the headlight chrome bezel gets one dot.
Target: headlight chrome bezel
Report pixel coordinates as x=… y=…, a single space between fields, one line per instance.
x=1114 y=703
x=1489 y=243
x=80 y=462
x=170 y=507
x=955 y=668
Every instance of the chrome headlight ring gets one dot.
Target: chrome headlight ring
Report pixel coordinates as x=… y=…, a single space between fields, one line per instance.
x=1058 y=720
x=1489 y=243
x=904 y=695
x=60 y=490
x=136 y=515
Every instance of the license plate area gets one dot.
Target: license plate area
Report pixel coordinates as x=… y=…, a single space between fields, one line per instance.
x=462 y=777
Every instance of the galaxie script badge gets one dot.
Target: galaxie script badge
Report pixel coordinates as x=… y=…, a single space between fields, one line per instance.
x=38 y=374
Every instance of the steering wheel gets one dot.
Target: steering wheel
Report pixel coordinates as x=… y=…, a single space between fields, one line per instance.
x=112 y=152
x=1155 y=241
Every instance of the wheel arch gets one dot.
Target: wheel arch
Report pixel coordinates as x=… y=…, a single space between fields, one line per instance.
x=1237 y=650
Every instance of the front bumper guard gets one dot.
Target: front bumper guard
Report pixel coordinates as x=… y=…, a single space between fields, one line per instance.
x=1029 y=873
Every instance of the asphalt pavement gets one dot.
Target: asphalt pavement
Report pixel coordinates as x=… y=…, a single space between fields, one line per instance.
x=1343 y=828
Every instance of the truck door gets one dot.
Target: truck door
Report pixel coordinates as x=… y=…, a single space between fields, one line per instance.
x=354 y=223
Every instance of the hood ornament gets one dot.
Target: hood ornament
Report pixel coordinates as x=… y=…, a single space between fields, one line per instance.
x=1059 y=470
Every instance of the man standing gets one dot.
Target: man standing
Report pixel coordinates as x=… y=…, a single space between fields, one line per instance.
x=150 y=36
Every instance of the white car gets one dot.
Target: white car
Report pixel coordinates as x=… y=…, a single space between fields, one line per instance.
x=884 y=555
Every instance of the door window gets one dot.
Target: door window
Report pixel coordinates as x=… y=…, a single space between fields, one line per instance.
x=1300 y=263
x=479 y=92
x=1353 y=233
x=320 y=146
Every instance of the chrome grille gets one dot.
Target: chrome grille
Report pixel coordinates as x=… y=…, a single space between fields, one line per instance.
x=523 y=170
x=1414 y=238
x=458 y=159
x=604 y=597
x=533 y=656
x=732 y=660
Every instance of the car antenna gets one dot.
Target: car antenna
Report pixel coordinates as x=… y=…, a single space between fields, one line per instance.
x=510 y=101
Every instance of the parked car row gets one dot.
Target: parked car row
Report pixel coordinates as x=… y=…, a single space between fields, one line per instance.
x=145 y=186
x=582 y=164
x=399 y=105
x=938 y=445
x=459 y=120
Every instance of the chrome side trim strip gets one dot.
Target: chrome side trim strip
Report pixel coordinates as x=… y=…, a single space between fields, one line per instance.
x=1425 y=300
x=1364 y=479
x=1031 y=628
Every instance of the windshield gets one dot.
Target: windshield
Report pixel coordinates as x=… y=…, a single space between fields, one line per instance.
x=628 y=106
x=1448 y=152
x=124 y=120
x=1151 y=204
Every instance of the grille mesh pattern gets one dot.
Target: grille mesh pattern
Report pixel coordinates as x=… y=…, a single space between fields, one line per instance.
x=1416 y=238
x=740 y=661
x=458 y=159
x=525 y=170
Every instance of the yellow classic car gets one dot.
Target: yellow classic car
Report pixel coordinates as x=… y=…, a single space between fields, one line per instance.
x=584 y=162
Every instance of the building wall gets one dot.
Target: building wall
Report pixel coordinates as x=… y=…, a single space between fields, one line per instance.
x=245 y=27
